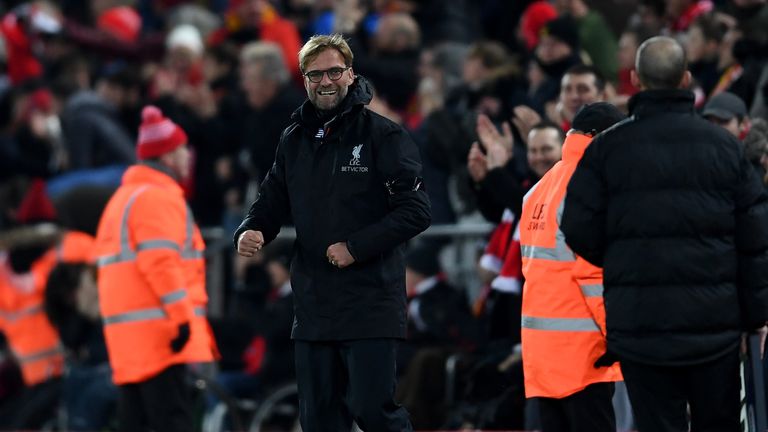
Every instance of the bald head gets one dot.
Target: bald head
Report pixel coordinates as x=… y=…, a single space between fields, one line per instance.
x=660 y=63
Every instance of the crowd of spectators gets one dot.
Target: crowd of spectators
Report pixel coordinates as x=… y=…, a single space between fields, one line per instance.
x=486 y=88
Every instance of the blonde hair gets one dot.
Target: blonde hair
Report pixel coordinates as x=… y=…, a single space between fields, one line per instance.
x=319 y=43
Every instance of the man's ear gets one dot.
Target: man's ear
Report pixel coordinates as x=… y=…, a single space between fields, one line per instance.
x=351 y=74
x=685 y=81
x=634 y=79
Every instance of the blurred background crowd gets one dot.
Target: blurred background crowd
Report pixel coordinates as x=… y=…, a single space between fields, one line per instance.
x=487 y=88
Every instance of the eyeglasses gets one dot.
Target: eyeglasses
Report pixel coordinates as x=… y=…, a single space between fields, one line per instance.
x=334 y=74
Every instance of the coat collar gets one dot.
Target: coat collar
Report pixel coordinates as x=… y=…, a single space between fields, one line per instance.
x=651 y=102
x=151 y=173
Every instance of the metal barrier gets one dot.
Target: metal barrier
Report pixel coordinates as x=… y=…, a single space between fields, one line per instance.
x=458 y=257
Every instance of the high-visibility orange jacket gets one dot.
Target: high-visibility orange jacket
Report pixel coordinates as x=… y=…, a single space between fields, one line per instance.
x=563 y=317
x=151 y=277
x=34 y=341
x=31 y=337
x=75 y=247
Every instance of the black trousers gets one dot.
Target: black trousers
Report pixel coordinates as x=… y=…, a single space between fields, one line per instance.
x=344 y=380
x=659 y=395
x=589 y=410
x=160 y=404
x=31 y=409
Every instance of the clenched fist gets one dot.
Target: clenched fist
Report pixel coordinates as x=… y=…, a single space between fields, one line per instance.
x=338 y=255
x=249 y=243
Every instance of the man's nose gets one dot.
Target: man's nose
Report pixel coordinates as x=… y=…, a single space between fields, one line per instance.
x=325 y=79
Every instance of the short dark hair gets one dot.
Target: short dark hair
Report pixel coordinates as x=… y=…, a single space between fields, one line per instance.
x=546 y=124
x=121 y=75
x=582 y=69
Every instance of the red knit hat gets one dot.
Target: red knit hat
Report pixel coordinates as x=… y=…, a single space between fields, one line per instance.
x=122 y=22
x=533 y=19
x=36 y=206
x=157 y=134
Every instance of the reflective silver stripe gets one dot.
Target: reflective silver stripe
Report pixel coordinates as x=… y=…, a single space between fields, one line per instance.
x=552 y=254
x=157 y=244
x=111 y=259
x=144 y=315
x=561 y=251
x=559 y=324
x=530 y=192
x=174 y=296
x=125 y=254
x=186 y=251
x=139 y=315
x=13 y=316
x=40 y=355
x=592 y=290
x=192 y=254
x=560 y=210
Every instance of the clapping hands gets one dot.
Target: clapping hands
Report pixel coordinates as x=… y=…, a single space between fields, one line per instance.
x=493 y=150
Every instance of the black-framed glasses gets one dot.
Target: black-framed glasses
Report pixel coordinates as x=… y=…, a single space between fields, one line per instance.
x=333 y=73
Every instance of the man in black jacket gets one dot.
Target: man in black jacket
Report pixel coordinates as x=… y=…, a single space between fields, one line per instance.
x=668 y=205
x=350 y=181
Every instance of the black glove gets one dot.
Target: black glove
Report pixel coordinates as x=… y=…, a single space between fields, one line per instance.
x=181 y=339
x=606 y=360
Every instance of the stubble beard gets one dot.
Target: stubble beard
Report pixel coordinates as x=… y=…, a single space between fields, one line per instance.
x=324 y=104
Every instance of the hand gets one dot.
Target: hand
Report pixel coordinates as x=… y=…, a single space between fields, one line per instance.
x=476 y=163
x=181 y=339
x=498 y=147
x=338 y=255
x=249 y=243
x=557 y=112
x=524 y=120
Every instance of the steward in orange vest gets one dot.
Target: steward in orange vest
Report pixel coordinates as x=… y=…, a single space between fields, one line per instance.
x=563 y=318
x=32 y=251
x=34 y=342
x=151 y=282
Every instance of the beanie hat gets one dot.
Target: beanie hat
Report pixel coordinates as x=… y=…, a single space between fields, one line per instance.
x=533 y=19
x=564 y=29
x=157 y=134
x=36 y=206
x=121 y=22
x=596 y=117
x=725 y=106
x=188 y=36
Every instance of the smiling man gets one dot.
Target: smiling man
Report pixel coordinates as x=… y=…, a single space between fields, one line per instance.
x=350 y=181
x=581 y=85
